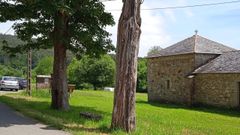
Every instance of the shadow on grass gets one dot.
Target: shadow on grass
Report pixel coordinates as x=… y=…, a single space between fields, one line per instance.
x=70 y=120
x=201 y=108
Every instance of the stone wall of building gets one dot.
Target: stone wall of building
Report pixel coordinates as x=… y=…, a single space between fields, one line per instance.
x=167 y=78
x=203 y=58
x=220 y=90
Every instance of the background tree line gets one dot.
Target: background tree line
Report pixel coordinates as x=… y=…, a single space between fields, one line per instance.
x=86 y=73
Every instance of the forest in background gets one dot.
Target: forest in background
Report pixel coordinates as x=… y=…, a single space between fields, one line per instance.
x=86 y=73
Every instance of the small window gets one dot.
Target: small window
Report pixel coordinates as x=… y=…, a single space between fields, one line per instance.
x=46 y=80
x=168 y=84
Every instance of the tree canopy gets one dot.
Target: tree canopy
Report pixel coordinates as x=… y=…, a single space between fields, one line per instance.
x=9 y=71
x=45 y=66
x=142 y=75
x=78 y=26
x=19 y=61
x=99 y=72
x=154 y=50
x=36 y=19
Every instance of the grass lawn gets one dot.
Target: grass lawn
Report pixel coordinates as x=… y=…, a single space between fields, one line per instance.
x=152 y=119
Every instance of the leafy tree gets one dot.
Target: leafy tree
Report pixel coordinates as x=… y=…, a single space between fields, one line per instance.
x=129 y=31
x=96 y=71
x=154 y=50
x=8 y=71
x=71 y=70
x=77 y=25
x=142 y=75
x=19 y=61
x=45 y=66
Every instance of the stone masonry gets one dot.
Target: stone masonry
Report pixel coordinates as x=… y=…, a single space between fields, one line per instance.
x=218 y=90
x=167 y=81
x=195 y=71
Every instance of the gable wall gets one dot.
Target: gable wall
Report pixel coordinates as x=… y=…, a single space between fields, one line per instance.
x=201 y=58
x=175 y=69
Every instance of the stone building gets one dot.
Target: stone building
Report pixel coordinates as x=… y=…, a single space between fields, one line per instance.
x=195 y=71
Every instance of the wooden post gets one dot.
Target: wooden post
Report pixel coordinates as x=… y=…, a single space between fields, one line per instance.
x=29 y=73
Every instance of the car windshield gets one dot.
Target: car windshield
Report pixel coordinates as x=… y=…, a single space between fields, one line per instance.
x=22 y=80
x=10 y=79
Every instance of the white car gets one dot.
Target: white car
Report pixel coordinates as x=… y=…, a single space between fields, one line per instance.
x=9 y=82
x=109 y=89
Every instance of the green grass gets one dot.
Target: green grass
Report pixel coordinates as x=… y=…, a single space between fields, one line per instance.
x=152 y=119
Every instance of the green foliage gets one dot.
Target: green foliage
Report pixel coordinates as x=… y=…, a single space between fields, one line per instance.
x=142 y=75
x=72 y=76
x=16 y=65
x=83 y=22
x=96 y=71
x=8 y=71
x=19 y=61
x=153 y=118
x=38 y=55
x=45 y=66
x=154 y=50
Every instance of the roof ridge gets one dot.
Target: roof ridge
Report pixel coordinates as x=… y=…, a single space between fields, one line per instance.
x=177 y=43
x=232 y=51
x=216 y=42
x=195 y=42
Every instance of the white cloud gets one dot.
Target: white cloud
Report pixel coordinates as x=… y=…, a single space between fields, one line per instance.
x=5 y=28
x=153 y=31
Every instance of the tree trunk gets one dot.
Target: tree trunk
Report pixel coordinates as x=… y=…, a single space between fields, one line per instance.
x=129 y=31
x=59 y=77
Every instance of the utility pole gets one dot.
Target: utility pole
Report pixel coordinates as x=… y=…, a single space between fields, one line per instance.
x=29 y=73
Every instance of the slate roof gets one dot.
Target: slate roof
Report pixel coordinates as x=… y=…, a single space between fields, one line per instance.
x=194 y=44
x=228 y=62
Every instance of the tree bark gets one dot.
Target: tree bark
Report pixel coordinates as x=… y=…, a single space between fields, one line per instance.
x=59 y=77
x=129 y=32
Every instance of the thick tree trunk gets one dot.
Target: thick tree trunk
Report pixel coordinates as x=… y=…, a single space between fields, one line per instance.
x=59 y=77
x=127 y=53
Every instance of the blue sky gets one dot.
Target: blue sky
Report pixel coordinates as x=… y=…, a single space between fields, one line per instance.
x=165 y=27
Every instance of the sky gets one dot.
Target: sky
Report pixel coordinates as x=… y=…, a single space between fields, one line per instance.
x=163 y=28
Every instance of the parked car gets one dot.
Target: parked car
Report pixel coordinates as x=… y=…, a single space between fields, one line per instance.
x=9 y=82
x=109 y=89
x=22 y=83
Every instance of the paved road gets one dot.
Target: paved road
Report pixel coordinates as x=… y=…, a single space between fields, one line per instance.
x=13 y=123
